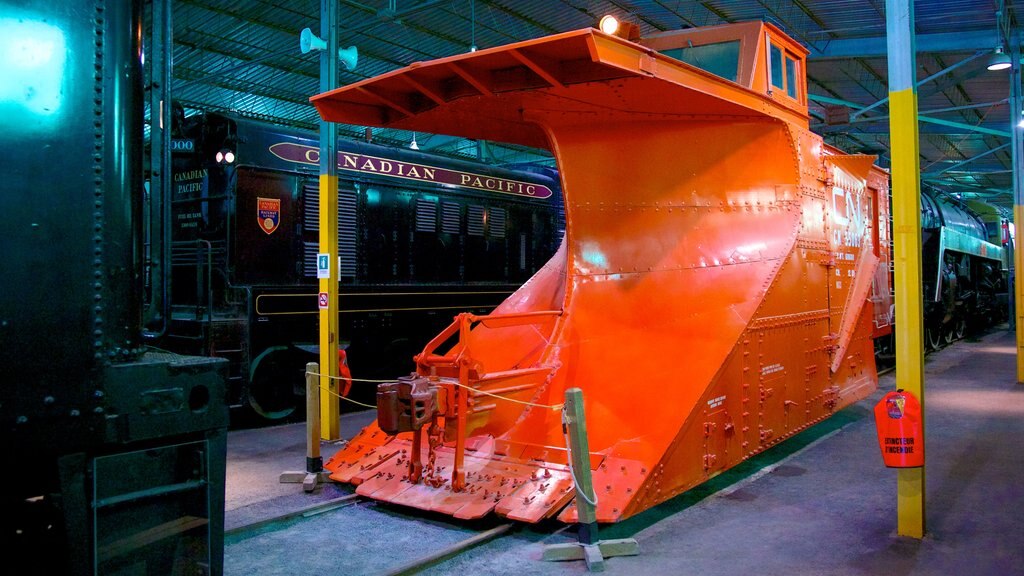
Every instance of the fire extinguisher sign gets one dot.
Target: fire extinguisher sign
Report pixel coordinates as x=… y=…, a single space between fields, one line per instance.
x=900 y=434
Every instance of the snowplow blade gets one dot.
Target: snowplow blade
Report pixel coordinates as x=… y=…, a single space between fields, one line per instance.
x=707 y=296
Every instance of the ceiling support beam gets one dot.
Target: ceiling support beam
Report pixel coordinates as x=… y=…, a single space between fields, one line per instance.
x=965 y=107
x=874 y=46
x=968 y=160
x=938 y=74
x=921 y=118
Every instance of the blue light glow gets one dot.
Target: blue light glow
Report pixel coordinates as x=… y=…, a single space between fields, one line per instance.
x=32 y=58
x=593 y=255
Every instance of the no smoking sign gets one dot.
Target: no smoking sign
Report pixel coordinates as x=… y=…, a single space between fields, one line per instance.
x=323 y=300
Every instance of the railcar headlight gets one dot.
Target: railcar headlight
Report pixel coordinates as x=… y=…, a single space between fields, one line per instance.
x=614 y=27
x=609 y=24
x=225 y=156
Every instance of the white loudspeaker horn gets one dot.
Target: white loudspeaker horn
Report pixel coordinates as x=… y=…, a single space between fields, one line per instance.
x=349 y=57
x=309 y=41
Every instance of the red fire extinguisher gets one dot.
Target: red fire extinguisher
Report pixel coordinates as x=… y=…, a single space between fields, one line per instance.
x=344 y=372
x=900 y=430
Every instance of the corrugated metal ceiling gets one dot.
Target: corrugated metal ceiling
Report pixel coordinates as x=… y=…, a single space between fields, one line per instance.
x=243 y=56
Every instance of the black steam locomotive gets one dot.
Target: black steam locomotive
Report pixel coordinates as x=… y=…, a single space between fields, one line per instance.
x=965 y=263
x=420 y=238
x=116 y=451
x=964 y=267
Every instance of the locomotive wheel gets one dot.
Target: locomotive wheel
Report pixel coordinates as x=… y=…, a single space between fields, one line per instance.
x=933 y=338
x=271 y=393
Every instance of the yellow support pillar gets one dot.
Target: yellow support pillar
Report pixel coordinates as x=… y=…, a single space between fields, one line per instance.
x=1018 y=284
x=1016 y=103
x=330 y=413
x=906 y=217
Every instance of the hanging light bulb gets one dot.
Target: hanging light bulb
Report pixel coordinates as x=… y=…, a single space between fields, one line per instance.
x=1000 y=60
x=413 y=145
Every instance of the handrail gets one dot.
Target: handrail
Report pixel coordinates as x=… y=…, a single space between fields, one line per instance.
x=427 y=357
x=209 y=287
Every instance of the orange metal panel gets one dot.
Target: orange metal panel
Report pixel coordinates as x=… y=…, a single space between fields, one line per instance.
x=694 y=299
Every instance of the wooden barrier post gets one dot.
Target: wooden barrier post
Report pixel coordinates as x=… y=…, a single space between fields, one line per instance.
x=589 y=548
x=314 y=473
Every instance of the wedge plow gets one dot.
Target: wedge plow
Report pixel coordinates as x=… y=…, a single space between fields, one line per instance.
x=709 y=296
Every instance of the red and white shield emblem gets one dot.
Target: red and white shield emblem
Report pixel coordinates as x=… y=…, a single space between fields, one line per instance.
x=268 y=212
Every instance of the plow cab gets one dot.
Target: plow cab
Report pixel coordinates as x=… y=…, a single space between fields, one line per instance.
x=709 y=297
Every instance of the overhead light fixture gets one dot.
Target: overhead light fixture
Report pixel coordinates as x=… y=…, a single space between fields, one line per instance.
x=999 y=60
x=1020 y=122
x=308 y=42
x=413 y=145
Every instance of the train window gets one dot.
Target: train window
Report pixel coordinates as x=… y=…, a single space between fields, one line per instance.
x=776 y=66
x=475 y=221
x=719 y=58
x=450 y=218
x=426 y=215
x=496 y=221
x=791 y=74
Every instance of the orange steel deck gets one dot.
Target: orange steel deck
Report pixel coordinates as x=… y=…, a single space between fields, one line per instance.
x=711 y=297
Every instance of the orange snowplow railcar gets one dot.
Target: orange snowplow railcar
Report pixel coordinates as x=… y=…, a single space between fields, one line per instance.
x=711 y=298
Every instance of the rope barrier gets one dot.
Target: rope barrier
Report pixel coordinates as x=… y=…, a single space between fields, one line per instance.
x=505 y=398
x=333 y=393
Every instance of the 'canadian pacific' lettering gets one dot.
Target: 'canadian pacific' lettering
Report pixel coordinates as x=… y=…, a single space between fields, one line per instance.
x=302 y=154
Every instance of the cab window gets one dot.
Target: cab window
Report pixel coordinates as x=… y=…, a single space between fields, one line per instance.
x=776 y=66
x=719 y=58
x=785 y=70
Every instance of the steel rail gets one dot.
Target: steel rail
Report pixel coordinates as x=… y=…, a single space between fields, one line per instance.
x=319 y=508
x=425 y=562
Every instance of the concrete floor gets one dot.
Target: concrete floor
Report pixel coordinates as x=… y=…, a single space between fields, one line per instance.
x=820 y=503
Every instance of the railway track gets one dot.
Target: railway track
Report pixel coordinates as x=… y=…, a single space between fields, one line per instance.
x=382 y=540
x=436 y=540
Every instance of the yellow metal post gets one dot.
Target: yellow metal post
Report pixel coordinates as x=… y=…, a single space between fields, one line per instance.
x=906 y=212
x=330 y=415
x=1018 y=284
x=1016 y=103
